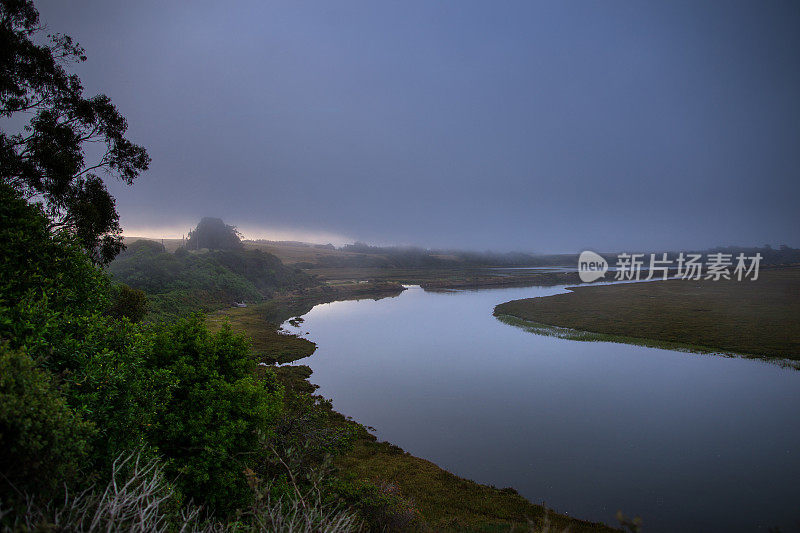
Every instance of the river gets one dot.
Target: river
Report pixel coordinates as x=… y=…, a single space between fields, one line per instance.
x=688 y=442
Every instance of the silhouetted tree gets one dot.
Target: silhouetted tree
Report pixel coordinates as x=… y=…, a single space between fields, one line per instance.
x=214 y=234
x=44 y=158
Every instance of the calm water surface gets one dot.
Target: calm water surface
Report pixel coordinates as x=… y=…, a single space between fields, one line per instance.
x=689 y=442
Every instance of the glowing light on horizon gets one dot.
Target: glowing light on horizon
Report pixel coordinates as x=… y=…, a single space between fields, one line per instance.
x=248 y=233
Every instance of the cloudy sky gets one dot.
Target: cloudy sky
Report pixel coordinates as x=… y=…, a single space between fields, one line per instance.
x=536 y=126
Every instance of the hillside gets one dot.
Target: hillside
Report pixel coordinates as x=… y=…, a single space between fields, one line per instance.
x=183 y=281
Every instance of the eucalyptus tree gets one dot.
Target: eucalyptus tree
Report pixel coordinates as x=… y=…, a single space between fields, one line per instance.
x=48 y=126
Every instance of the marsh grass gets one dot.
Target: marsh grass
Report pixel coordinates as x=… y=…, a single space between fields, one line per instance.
x=750 y=318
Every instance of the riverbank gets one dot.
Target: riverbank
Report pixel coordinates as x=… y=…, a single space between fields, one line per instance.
x=444 y=501
x=753 y=318
x=261 y=321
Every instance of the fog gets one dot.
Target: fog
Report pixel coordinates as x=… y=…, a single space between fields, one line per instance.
x=534 y=126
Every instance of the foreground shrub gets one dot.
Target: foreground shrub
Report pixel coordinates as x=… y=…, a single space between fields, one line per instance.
x=218 y=416
x=381 y=504
x=128 y=303
x=43 y=441
x=174 y=389
x=138 y=498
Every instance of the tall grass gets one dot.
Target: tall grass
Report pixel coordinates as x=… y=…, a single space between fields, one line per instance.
x=139 y=499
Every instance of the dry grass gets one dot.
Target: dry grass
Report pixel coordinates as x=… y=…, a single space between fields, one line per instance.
x=297 y=252
x=139 y=499
x=134 y=500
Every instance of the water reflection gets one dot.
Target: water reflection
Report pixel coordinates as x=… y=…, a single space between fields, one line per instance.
x=690 y=442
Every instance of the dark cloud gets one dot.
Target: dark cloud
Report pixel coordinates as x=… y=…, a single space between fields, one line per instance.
x=545 y=126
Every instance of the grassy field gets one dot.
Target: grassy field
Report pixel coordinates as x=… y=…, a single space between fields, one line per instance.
x=298 y=252
x=447 y=278
x=755 y=318
x=444 y=501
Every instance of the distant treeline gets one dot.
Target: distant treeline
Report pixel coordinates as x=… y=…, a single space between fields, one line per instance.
x=364 y=255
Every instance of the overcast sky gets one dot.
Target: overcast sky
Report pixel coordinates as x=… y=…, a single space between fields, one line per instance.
x=536 y=126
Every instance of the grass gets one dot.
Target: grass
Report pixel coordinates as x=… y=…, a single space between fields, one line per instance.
x=446 y=278
x=269 y=345
x=448 y=502
x=753 y=318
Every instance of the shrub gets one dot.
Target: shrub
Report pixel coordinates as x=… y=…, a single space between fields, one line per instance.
x=52 y=300
x=44 y=441
x=128 y=303
x=381 y=504
x=215 y=422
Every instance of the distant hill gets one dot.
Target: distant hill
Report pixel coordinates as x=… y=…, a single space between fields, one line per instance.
x=183 y=280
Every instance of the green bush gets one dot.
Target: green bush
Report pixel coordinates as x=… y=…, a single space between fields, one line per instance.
x=382 y=506
x=128 y=303
x=52 y=304
x=81 y=383
x=218 y=416
x=36 y=265
x=44 y=441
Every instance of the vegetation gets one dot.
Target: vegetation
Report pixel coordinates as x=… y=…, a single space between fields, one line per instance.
x=45 y=157
x=139 y=498
x=128 y=303
x=178 y=283
x=759 y=318
x=214 y=234
x=163 y=425
x=83 y=386
x=360 y=256
x=43 y=439
x=110 y=419
x=389 y=486
x=455 y=269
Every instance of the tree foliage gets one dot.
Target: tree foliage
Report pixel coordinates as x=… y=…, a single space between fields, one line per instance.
x=45 y=158
x=43 y=440
x=181 y=282
x=128 y=303
x=175 y=390
x=214 y=234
